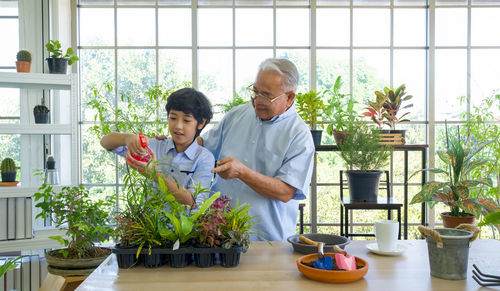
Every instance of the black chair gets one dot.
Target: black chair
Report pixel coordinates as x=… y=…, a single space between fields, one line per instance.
x=383 y=203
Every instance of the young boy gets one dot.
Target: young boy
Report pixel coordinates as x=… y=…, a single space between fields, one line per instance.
x=188 y=112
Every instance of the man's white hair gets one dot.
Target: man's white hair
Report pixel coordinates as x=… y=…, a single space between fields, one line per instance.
x=286 y=69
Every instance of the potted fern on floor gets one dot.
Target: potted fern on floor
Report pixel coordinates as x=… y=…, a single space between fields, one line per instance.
x=83 y=221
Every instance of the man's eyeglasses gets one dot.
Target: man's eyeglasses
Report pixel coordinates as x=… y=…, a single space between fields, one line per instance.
x=254 y=94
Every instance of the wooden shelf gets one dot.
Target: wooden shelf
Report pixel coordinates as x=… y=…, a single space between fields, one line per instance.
x=35 y=81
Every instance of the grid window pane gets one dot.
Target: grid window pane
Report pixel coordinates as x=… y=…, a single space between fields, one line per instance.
x=215 y=2
x=254 y=2
x=410 y=2
x=9 y=8
x=371 y=2
x=483 y=22
x=292 y=27
x=136 y=26
x=333 y=27
x=451 y=26
x=97 y=33
x=9 y=98
x=98 y=165
x=292 y=2
x=300 y=58
x=254 y=33
x=174 y=26
x=333 y=2
x=96 y=67
x=9 y=34
x=247 y=62
x=135 y=2
x=485 y=75
x=174 y=68
x=409 y=27
x=330 y=65
x=451 y=83
x=409 y=69
x=136 y=73
x=451 y=2
x=371 y=73
x=174 y=2
x=215 y=75
x=96 y=2
x=371 y=27
x=215 y=27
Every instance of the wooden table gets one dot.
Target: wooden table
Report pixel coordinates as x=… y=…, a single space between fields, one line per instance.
x=266 y=267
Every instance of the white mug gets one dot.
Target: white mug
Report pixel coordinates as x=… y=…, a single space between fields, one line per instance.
x=386 y=232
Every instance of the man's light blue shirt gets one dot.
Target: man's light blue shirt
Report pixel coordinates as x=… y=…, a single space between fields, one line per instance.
x=281 y=148
x=189 y=168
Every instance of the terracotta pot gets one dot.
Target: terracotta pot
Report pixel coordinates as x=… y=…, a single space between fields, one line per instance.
x=331 y=276
x=340 y=136
x=450 y=221
x=23 y=67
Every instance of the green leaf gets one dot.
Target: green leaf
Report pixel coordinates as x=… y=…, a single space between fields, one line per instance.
x=60 y=239
x=490 y=219
x=445 y=157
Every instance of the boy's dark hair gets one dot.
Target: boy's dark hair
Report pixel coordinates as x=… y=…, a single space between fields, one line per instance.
x=191 y=101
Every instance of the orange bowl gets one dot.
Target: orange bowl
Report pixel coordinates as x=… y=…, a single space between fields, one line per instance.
x=331 y=276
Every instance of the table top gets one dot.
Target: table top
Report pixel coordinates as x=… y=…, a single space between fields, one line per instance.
x=274 y=267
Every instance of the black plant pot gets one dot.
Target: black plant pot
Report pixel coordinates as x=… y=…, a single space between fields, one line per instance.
x=179 y=260
x=316 y=134
x=9 y=177
x=57 y=65
x=230 y=260
x=41 y=117
x=204 y=260
x=51 y=164
x=125 y=258
x=152 y=261
x=363 y=186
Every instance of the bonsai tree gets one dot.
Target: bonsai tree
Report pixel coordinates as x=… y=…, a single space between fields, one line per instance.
x=387 y=106
x=457 y=191
x=83 y=219
x=310 y=106
x=23 y=63
x=9 y=170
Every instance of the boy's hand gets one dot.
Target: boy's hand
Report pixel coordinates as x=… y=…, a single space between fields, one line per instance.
x=143 y=168
x=133 y=143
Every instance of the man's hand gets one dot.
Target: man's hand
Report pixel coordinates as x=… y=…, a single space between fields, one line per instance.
x=229 y=168
x=144 y=169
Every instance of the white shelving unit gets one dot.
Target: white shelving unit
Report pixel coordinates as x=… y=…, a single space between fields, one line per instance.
x=30 y=82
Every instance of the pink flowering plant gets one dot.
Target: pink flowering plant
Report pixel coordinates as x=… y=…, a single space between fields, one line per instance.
x=210 y=231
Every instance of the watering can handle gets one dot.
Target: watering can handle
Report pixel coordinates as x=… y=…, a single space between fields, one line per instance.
x=470 y=227
x=425 y=231
x=307 y=241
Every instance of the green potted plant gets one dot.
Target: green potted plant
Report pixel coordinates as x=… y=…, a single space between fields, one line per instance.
x=339 y=112
x=23 y=63
x=457 y=191
x=84 y=221
x=386 y=109
x=57 y=62
x=363 y=156
x=9 y=170
x=310 y=106
x=41 y=112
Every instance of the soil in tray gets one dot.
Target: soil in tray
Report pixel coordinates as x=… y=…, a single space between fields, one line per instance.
x=334 y=268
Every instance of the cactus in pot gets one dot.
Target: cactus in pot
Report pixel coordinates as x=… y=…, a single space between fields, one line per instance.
x=41 y=113
x=23 y=64
x=9 y=171
x=51 y=162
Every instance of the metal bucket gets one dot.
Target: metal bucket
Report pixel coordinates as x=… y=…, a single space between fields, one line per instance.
x=449 y=259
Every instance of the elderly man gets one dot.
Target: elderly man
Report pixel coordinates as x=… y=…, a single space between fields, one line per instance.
x=265 y=151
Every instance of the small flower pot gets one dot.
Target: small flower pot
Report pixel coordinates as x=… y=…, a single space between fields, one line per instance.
x=316 y=135
x=51 y=164
x=57 y=65
x=179 y=260
x=152 y=261
x=23 y=66
x=9 y=177
x=204 y=260
x=126 y=256
x=230 y=258
x=42 y=117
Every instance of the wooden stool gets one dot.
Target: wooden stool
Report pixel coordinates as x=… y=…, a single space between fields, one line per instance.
x=60 y=283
